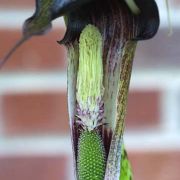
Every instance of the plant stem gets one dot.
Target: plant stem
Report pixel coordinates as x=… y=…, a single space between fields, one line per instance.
x=113 y=165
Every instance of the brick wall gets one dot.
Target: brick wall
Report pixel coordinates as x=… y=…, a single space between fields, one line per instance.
x=34 y=132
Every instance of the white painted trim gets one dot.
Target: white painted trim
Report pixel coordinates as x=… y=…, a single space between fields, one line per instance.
x=56 y=81
x=152 y=141
x=155 y=79
x=14 y=19
x=32 y=82
x=170 y=110
x=57 y=145
x=35 y=146
x=1 y=117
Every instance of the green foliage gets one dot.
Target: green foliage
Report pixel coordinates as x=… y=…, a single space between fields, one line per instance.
x=91 y=156
x=126 y=172
x=40 y=22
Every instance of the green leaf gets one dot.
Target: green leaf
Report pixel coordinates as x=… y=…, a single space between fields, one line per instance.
x=126 y=172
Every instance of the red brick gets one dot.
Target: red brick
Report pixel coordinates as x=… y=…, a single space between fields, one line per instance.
x=143 y=109
x=156 y=165
x=175 y=2
x=35 y=114
x=40 y=53
x=36 y=168
x=17 y=3
x=47 y=113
